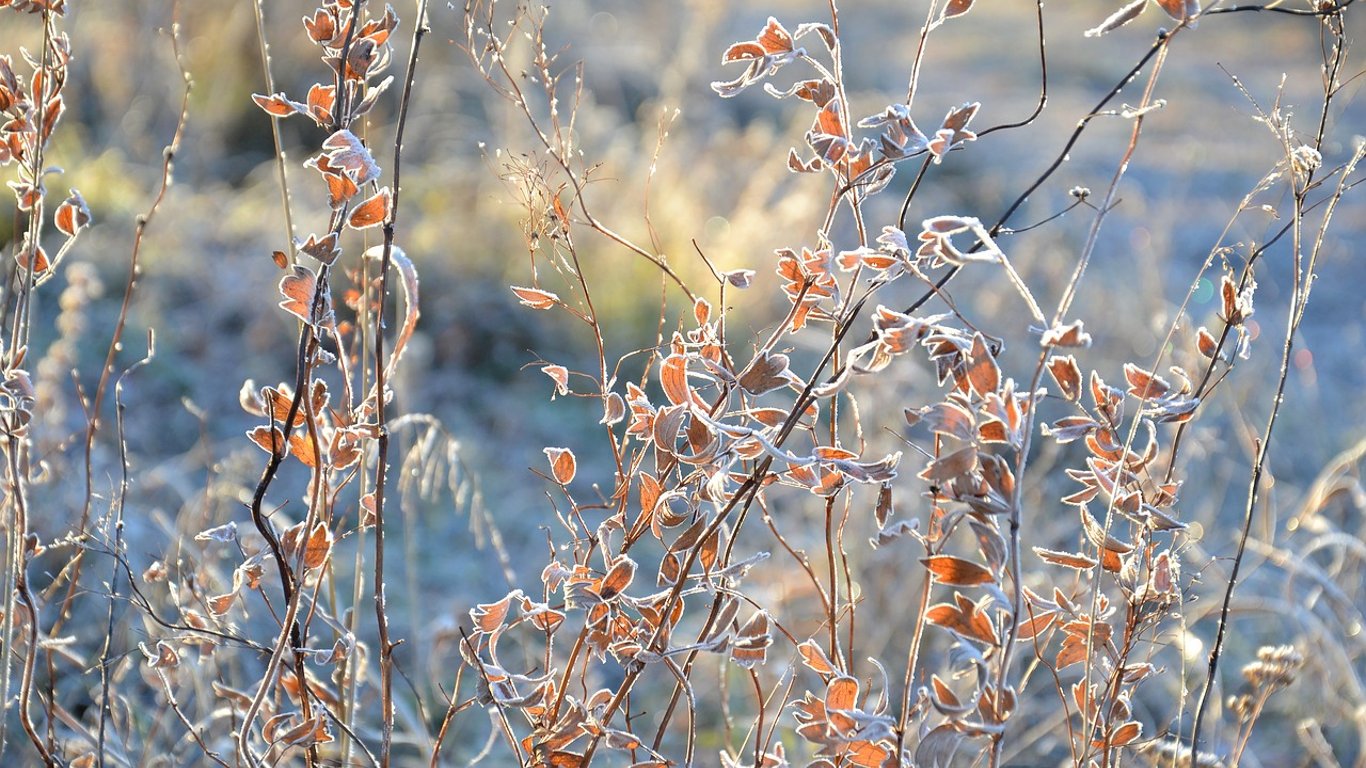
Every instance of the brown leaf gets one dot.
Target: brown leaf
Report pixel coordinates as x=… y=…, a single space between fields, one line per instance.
x=562 y=464
x=701 y=310
x=221 y=604
x=775 y=39
x=743 y=52
x=618 y=578
x=1206 y=343
x=270 y=439
x=560 y=375
x=1125 y=734
x=1065 y=559
x=814 y=657
x=750 y=647
x=373 y=211
x=957 y=8
x=72 y=215
x=956 y=571
x=277 y=105
x=956 y=464
x=489 y=617
x=963 y=617
x=1180 y=10
x=765 y=373
x=983 y=374
x=1067 y=374
x=535 y=297
x=305 y=448
x=324 y=248
x=298 y=288
x=1070 y=335
x=318 y=546
x=1144 y=384
x=673 y=377
x=841 y=693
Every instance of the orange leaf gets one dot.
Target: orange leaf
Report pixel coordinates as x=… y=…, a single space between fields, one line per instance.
x=489 y=617
x=957 y=571
x=1065 y=559
x=72 y=215
x=814 y=657
x=298 y=289
x=373 y=211
x=841 y=693
x=270 y=439
x=562 y=464
x=983 y=373
x=319 y=546
x=673 y=377
x=535 y=297
x=775 y=38
x=617 y=579
x=560 y=375
x=277 y=105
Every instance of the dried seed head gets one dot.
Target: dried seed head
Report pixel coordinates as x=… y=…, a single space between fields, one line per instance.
x=1275 y=667
x=1304 y=160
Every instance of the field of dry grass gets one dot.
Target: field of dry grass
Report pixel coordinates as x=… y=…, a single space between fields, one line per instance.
x=539 y=393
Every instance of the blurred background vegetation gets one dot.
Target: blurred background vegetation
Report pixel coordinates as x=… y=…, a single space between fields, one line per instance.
x=720 y=179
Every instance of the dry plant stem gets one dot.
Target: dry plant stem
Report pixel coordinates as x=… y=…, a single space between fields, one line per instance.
x=1017 y=586
x=742 y=499
x=184 y=720
x=1108 y=202
x=386 y=646
x=453 y=708
x=19 y=499
x=1302 y=274
x=16 y=577
x=106 y=658
x=290 y=633
x=281 y=169
x=1069 y=293
x=556 y=148
x=20 y=330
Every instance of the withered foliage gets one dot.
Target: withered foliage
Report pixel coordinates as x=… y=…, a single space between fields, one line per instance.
x=699 y=602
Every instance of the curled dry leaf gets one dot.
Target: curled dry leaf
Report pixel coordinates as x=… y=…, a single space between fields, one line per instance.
x=298 y=288
x=1180 y=10
x=373 y=212
x=562 y=464
x=814 y=657
x=956 y=571
x=278 y=105
x=1118 y=19
x=164 y=657
x=1206 y=343
x=765 y=373
x=618 y=578
x=535 y=297
x=673 y=377
x=558 y=374
x=1067 y=374
x=983 y=374
x=1143 y=384
x=1072 y=334
x=270 y=439
x=957 y=8
x=613 y=409
x=72 y=215
x=318 y=545
x=740 y=278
